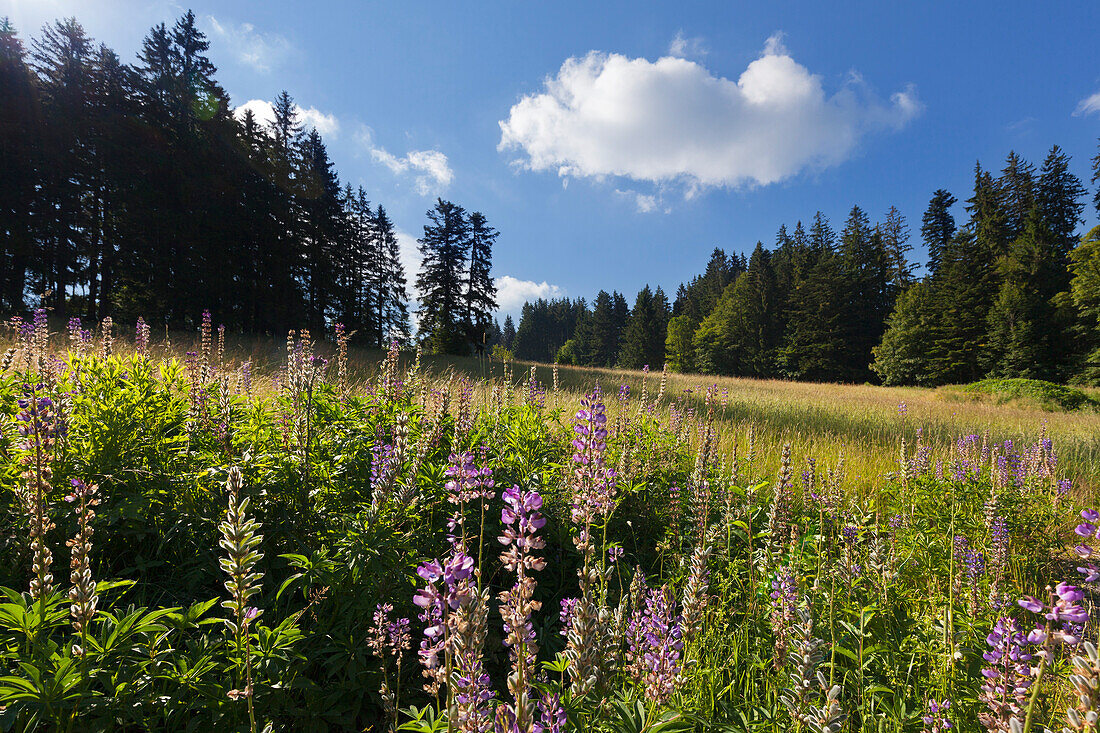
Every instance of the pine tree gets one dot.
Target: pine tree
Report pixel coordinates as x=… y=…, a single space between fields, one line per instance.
x=62 y=60
x=894 y=232
x=1085 y=294
x=869 y=298
x=20 y=148
x=508 y=333
x=598 y=334
x=444 y=248
x=938 y=227
x=644 y=336
x=741 y=334
x=1096 y=177
x=481 y=293
x=1016 y=191
x=393 y=308
x=321 y=218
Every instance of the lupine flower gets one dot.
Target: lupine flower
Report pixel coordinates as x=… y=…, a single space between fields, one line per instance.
x=656 y=645
x=522 y=520
x=593 y=483
x=1063 y=613
x=1007 y=678
x=466 y=483
x=1090 y=530
x=1085 y=681
x=389 y=639
x=935 y=717
x=82 y=594
x=780 y=518
x=998 y=561
x=38 y=426
x=552 y=717
x=784 y=597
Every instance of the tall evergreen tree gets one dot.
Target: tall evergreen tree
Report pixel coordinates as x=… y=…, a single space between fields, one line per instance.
x=644 y=336
x=481 y=292
x=20 y=148
x=508 y=332
x=938 y=227
x=444 y=248
x=393 y=310
x=894 y=232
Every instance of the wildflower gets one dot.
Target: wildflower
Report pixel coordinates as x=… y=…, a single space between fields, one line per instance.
x=656 y=638
x=1007 y=679
x=38 y=426
x=522 y=520
x=780 y=518
x=784 y=597
x=240 y=540
x=83 y=597
x=695 y=597
x=935 y=717
x=1090 y=530
x=1085 y=680
x=390 y=639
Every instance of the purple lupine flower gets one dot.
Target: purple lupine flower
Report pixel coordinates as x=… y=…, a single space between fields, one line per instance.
x=552 y=717
x=467 y=483
x=903 y=409
x=657 y=635
x=1090 y=530
x=1008 y=676
x=593 y=482
x=935 y=717
x=522 y=521
x=1063 y=614
x=784 y=597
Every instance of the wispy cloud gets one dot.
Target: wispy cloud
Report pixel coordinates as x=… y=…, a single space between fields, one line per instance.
x=685 y=48
x=262 y=51
x=430 y=169
x=1089 y=105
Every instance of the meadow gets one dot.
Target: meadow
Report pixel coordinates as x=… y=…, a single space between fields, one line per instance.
x=293 y=535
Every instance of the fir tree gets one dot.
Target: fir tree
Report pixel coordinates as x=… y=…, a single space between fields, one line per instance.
x=444 y=248
x=481 y=293
x=938 y=227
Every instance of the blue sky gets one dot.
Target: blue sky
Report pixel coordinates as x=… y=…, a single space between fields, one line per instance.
x=615 y=144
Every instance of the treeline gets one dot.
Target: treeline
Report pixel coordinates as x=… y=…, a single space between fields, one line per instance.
x=134 y=190
x=1011 y=292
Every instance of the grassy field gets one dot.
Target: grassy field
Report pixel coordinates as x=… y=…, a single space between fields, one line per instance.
x=861 y=423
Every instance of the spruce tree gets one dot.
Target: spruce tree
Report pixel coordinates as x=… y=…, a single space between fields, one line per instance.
x=938 y=227
x=644 y=336
x=508 y=332
x=481 y=292
x=441 y=281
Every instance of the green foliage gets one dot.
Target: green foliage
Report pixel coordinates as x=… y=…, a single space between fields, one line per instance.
x=1047 y=395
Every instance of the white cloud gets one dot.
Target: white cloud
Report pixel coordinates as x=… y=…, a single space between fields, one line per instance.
x=512 y=292
x=686 y=47
x=257 y=49
x=645 y=203
x=430 y=168
x=1088 y=105
x=326 y=124
x=672 y=120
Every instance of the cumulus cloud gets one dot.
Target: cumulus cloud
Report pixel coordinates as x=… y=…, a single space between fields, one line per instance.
x=672 y=120
x=512 y=292
x=1088 y=105
x=254 y=48
x=326 y=124
x=430 y=169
